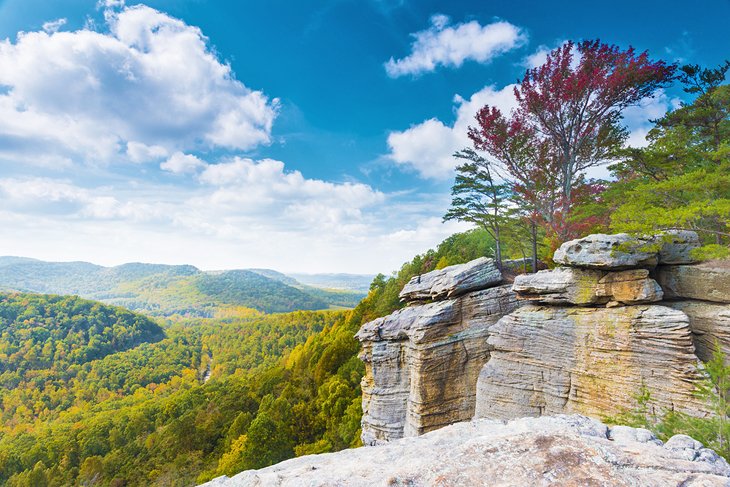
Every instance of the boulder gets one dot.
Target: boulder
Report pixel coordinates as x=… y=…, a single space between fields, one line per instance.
x=567 y=285
x=624 y=251
x=709 y=281
x=452 y=281
x=422 y=363
x=709 y=323
x=593 y=361
x=561 y=450
x=609 y=252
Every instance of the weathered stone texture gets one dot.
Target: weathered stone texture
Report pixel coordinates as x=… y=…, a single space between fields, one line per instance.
x=709 y=323
x=615 y=252
x=548 y=360
x=709 y=281
x=567 y=285
x=624 y=251
x=676 y=246
x=452 y=281
x=422 y=363
x=570 y=451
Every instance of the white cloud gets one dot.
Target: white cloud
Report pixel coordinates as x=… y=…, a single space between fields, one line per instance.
x=150 y=79
x=139 y=152
x=428 y=147
x=450 y=46
x=180 y=163
x=537 y=58
x=244 y=213
x=110 y=3
x=54 y=25
x=638 y=118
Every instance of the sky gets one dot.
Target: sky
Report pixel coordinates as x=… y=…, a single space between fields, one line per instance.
x=303 y=136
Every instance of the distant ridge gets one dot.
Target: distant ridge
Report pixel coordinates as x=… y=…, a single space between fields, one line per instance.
x=166 y=290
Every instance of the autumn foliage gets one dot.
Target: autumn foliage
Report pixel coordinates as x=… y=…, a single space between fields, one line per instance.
x=567 y=120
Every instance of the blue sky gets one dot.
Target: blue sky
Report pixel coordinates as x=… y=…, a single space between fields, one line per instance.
x=301 y=136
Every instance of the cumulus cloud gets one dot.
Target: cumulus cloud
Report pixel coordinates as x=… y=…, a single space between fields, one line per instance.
x=180 y=163
x=450 y=45
x=428 y=147
x=148 y=80
x=139 y=152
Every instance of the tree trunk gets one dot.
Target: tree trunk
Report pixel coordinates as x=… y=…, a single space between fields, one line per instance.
x=533 y=232
x=498 y=248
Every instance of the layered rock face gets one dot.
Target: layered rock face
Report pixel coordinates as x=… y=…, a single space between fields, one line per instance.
x=596 y=341
x=548 y=360
x=561 y=450
x=702 y=292
x=422 y=362
x=586 y=337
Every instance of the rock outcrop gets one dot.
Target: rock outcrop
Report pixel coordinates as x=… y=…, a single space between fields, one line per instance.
x=452 y=281
x=560 y=450
x=568 y=285
x=600 y=251
x=584 y=338
x=710 y=325
x=548 y=360
x=596 y=358
x=624 y=251
x=709 y=281
x=422 y=362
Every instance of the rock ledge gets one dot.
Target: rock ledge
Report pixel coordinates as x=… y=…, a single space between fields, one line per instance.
x=568 y=450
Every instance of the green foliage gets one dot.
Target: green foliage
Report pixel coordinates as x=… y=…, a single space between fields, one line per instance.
x=211 y=397
x=681 y=179
x=479 y=198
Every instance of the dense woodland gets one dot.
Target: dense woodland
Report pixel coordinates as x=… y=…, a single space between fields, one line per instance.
x=214 y=396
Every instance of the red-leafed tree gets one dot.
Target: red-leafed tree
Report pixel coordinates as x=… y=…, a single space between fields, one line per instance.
x=568 y=119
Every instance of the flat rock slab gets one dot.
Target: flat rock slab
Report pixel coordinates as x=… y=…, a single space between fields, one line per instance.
x=452 y=281
x=562 y=450
x=568 y=285
x=594 y=361
x=624 y=251
x=709 y=281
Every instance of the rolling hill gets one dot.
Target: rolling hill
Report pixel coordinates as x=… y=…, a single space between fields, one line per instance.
x=168 y=290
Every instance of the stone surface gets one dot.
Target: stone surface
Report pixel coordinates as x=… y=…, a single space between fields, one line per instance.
x=709 y=322
x=600 y=251
x=676 y=246
x=594 y=361
x=709 y=281
x=567 y=285
x=452 y=281
x=422 y=363
x=569 y=451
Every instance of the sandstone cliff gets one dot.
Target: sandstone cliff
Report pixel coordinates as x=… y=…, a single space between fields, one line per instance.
x=619 y=314
x=422 y=362
x=561 y=450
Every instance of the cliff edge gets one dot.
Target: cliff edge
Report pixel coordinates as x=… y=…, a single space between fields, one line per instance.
x=562 y=450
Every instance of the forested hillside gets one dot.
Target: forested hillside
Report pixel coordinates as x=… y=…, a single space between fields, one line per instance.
x=165 y=290
x=212 y=397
